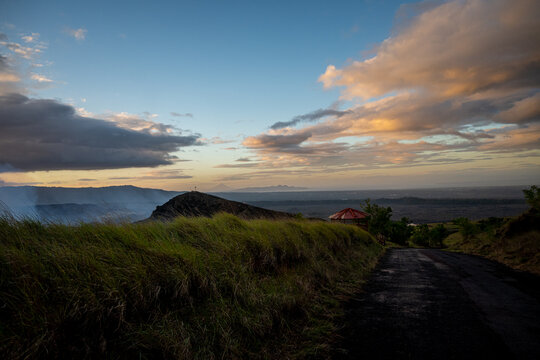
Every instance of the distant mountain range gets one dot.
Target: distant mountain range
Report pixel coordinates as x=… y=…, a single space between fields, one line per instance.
x=224 y=188
x=270 y=189
x=130 y=203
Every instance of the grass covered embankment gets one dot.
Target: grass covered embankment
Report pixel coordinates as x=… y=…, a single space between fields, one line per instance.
x=514 y=242
x=192 y=288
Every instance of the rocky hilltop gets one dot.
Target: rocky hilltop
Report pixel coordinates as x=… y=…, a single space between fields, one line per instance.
x=195 y=203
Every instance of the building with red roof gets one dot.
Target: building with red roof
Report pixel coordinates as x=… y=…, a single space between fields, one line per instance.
x=350 y=216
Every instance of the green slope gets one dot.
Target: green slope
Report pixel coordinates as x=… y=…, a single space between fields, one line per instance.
x=193 y=288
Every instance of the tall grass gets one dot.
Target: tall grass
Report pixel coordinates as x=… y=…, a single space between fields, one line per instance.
x=514 y=242
x=193 y=288
x=520 y=251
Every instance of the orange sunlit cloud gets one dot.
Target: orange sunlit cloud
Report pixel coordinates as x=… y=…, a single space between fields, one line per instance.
x=460 y=79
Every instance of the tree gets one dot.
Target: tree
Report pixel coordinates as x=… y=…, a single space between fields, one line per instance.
x=532 y=196
x=467 y=229
x=379 y=218
x=437 y=235
x=420 y=235
x=424 y=236
x=400 y=231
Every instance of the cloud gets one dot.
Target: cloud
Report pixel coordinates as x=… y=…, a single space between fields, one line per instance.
x=136 y=123
x=522 y=111
x=167 y=174
x=312 y=116
x=79 y=34
x=216 y=140
x=26 y=52
x=234 y=166
x=9 y=79
x=275 y=141
x=18 y=62
x=33 y=37
x=457 y=81
x=40 y=78
x=457 y=48
x=6 y=74
x=42 y=134
x=181 y=115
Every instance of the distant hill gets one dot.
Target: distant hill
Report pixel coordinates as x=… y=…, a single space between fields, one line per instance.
x=270 y=189
x=195 y=203
x=71 y=205
x=221 y=188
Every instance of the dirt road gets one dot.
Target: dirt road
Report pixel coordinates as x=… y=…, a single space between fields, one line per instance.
x=430 y=304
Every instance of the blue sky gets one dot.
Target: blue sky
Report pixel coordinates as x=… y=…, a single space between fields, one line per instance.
x=237 y=67
x=225 y=62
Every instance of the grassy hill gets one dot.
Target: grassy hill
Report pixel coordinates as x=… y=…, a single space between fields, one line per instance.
x=192 y=288
x=514 y=241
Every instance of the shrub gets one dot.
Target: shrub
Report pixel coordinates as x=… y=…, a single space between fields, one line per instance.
x=467 y=229
x=532 y=196
x=420 y=235
x=424 y=236
x=379 y=218
x=400 y=232
x=437 y=235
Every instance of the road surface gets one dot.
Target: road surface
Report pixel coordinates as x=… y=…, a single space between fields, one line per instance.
x=431 y=304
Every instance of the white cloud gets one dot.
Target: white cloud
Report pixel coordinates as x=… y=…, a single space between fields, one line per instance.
x=137 y=123
x=33 y=37
x=40 y=78
x=26 y=52
x=79 y=34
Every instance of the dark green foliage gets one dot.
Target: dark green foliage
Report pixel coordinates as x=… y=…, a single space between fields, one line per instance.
x=420 y=235
x=436 y=235
x=532 y=196
x=529 y=220
x=467 y=229
x=379 y=218
x=193 y=288
x=399 y=232
x=426 y=237
x=491 y=224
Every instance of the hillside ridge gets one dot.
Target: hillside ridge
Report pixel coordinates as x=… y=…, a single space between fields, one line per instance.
x=194 y=203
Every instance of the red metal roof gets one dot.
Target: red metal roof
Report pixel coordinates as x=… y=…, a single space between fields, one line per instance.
x=349 y=214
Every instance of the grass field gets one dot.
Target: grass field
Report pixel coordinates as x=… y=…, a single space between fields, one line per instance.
x=193 y=288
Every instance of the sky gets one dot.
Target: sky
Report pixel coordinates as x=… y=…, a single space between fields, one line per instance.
x=234 y=94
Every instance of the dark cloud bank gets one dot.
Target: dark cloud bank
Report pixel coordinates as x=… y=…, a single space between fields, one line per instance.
x=48 y=135
x=310 y=117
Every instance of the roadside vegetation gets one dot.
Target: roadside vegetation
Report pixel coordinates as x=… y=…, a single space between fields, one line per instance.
x=195 y=288
x=511 y=241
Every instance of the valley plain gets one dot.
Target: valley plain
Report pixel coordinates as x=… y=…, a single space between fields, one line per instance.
x=129 y=203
